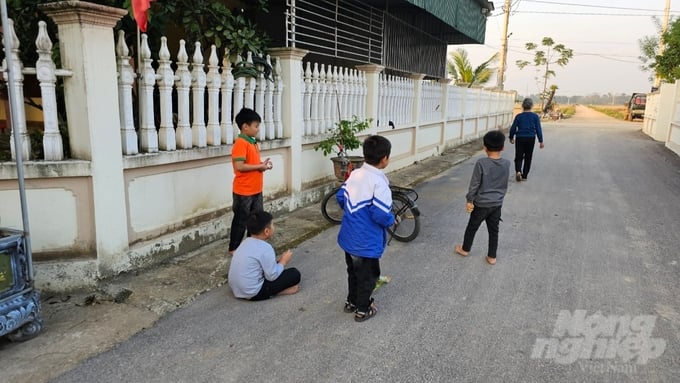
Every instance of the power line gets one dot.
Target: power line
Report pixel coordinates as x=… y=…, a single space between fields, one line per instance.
x=591 y=6
x=594 y=14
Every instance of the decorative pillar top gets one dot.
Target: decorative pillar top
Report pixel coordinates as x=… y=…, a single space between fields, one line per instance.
x=445 y=80
x=370 y=68
x=82 y=12
x=288 y=53
x=416 y=76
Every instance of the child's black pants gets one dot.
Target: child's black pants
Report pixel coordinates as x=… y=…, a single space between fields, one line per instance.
x=362 y=274
x=492 y=216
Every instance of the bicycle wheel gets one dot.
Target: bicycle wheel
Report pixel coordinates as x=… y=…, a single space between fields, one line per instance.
x=407 y=216
x=330 y=208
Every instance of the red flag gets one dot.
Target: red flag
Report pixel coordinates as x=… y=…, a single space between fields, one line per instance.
x=139 y=8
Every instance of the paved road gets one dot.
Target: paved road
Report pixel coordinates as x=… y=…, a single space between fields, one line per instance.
x=595 y=228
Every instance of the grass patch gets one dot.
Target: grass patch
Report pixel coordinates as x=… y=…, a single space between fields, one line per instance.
x=617 y=112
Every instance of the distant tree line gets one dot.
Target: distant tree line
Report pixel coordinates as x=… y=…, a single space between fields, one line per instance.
x=589 y=99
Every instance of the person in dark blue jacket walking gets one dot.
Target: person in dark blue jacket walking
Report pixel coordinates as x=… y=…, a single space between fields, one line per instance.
x=526 y=126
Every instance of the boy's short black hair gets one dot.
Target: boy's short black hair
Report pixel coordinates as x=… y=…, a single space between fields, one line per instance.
x=246 y=116
x=376 y=148
x=494 y=140
x=258 y=221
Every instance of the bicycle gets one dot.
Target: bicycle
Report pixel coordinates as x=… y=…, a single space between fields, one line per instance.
x=404 y=208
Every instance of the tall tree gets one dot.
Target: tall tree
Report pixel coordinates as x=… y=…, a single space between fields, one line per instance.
x=649 y=48
x=545 y=56
x=667 y=65
x=459 y=67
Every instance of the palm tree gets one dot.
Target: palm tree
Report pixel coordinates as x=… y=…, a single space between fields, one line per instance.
x=460 y=68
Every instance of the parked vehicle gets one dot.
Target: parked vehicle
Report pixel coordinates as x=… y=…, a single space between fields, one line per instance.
x=635 y=107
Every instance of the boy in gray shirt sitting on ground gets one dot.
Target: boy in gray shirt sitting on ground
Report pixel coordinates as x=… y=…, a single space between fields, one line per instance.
x=485 y=195
x=254 y=273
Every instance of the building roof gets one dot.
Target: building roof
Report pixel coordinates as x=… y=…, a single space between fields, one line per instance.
x=465 y=19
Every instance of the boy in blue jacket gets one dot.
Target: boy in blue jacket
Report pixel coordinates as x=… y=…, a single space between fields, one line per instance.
x=367 y=202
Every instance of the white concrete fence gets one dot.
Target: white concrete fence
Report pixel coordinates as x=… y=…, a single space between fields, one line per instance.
x=662 y=116
x=129 y=195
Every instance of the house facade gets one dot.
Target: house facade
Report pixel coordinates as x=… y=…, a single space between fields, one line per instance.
x=139 y=190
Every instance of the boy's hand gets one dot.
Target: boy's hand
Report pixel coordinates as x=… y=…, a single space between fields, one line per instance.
x=541 y=145
x=512 y=140
x=286 y=257
x=469 y=207
x=266 y=165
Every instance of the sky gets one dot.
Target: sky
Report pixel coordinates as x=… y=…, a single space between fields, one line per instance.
x=604 y=36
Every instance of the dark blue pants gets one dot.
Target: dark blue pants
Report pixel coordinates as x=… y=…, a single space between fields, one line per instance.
x=362 y=274
x=524 y=150
x=242 y=207
x=288 y=278
x=492 y=216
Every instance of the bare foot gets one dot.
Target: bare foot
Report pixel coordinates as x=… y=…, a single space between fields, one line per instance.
x=291 y=290
x=491 y=261
x=459 y=250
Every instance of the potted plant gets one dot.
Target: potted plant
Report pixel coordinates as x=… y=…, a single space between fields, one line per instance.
x=341 y=139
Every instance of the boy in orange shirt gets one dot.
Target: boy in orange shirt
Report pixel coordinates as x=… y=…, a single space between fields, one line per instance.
x=248 y=175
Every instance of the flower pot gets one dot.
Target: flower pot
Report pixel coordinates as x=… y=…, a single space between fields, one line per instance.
x=341 y=170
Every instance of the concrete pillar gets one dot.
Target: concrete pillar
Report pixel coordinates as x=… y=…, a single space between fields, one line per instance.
x=372 y=72
x=417 y=93
x=86 y=44
x=290 y=60
x=446 y=87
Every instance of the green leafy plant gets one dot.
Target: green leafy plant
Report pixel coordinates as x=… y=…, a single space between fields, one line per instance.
x=211 y=22
x=343 y=137
x=458 y=65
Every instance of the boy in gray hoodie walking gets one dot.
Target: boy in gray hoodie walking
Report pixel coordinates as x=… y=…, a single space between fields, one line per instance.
x=485 y=195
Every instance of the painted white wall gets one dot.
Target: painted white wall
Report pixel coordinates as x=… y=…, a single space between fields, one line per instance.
x=160 y=200
x=51 y=215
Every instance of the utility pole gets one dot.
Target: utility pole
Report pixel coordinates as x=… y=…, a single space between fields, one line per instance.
x=662 y=44
x=504 y=45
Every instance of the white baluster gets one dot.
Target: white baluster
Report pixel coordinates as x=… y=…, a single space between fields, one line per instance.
x=335 y=96
x=342 y=93
x=259 y=102
x=362 y=93
x=307 y=100
x=183 y=86
x=164 y=79
x=214 y=82
x=354 y=81
x=382 y=117
x=148 y=135
x=198 y=84
x=227 y=89
x=239 y=91
x=45 y=72
x=18 y=102
x=269 y=103
x=328 y=99
x=250 y=85
x=315 y=99
x=322 y=99
x=278 y=102
x=126 y=77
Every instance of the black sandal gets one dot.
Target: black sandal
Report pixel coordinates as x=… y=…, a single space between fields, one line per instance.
x=349 y=307
x=360 y=316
